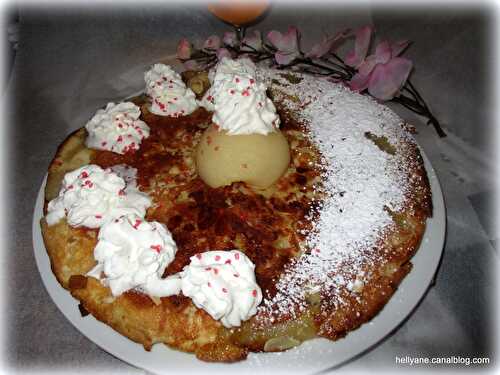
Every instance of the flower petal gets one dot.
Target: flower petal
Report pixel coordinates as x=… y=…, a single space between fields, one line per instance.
x=398 y=47
x=291 y=39
x=284 y=42
x=383 y=52
x=361 y=45
x=184 y=49
x=359 y=82
x=223 y=52
x=284 y=58
x=253 y=42
x=213 y=42
x=275 y=38
x=191 y=65
x=367 y=66
x=230 y=39
x=322 y=48
x=319 y=50
x=387 y=79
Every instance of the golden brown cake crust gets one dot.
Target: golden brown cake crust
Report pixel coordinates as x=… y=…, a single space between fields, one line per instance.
x=270 y=226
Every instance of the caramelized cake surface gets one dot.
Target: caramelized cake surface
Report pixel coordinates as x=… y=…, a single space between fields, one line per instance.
x=331 y=240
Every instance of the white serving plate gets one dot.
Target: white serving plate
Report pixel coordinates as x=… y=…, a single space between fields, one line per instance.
x=310 y=357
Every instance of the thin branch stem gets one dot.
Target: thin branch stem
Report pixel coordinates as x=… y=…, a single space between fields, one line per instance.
x=330 y=65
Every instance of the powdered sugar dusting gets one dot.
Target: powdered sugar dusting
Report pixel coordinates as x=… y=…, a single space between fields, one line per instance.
x=360 y=182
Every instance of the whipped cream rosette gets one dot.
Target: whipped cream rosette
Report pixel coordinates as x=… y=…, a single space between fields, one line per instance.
x=223 y=284
x=132 y=253
x=116 y=128
x=239 y=101
x=169 y=94
x=91 y=196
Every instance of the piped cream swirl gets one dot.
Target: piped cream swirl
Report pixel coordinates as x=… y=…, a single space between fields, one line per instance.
x=116 y=128
x=223 y=284
x=239 y=101
x=169 y=95
x=91 y=196
x=132 y=253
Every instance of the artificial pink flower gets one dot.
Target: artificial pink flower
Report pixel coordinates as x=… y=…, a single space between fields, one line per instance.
x=252 y=42
x=383 y=73
x=223 y=52
x=361 y=45
x=230 y=39
x=213 y=42
x=287 y=45
x=387 y=79
x=328 y=43
x=399 y=47
x=184 y=49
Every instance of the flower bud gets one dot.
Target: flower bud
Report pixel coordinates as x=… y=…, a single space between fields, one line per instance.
x=184 y=49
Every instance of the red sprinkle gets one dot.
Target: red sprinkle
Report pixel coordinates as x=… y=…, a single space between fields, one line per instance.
x=217 y=257
x=198 y=256
x=252 y=81
x=254 y=293
x=104 y=144
x=70 y=187
x=208 y=268
x=237 y=80
x=209 y=285
x=227 y=261
x=119 y=139
x=84 y=174
x=121 y=192
x=161 y=105
x=216 y=271
x=137 y=223
x=237 y=256
x=98 y=216
x=157 y=248
x=245 y=93
x=231 y=92
x=224 y=290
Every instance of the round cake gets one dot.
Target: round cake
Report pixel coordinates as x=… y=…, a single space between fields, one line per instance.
x=330 y=240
